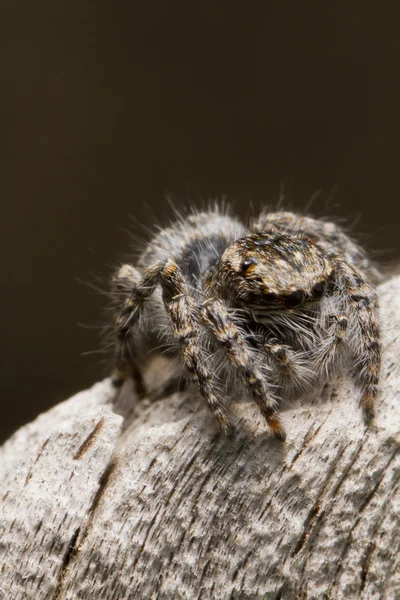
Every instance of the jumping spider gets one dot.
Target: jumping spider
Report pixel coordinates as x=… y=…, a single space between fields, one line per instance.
x=277 y=306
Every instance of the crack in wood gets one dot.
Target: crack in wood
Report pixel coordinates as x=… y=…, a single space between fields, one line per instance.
x=309 y=437
x=68 y=555
x=321 y=517
x=366 y=564
x=146 y=536
x=74 y=546
x=315 y=509
x=203 y=572
x=361 y=511
x=367 y=559
x=84 y=447
x=30 y=472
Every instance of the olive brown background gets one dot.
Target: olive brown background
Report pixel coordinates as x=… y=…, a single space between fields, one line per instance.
x=106 y=107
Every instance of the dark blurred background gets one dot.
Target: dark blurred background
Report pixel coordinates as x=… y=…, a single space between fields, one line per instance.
x=106 y=107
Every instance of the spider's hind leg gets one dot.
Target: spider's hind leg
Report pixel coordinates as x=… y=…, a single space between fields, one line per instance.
x=362 y=300
x=131 y=289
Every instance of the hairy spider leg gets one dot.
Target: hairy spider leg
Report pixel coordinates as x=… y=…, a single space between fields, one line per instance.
x=363 y=302
x=216 y=317
x=131 y=289
x=183 y=314
x=329 y=350
x=289 y=366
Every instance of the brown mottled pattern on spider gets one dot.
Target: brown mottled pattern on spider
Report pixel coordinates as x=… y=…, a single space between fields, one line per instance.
x=288 y=300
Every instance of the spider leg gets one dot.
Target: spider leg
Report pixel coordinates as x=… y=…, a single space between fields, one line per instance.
x=216 y=317
x=329 y=349
x=131 y=290
x=279 y=354
x=183 y=314
x=363 y=303
x=289 y=365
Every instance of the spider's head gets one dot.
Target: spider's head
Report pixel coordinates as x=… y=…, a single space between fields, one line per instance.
x=270 y=271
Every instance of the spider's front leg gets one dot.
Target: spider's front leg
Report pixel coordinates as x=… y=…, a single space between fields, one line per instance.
x=182 y=311
x=216 y=317
x=362 y=300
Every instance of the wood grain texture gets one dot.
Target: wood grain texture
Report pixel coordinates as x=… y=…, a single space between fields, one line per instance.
x=159 y=506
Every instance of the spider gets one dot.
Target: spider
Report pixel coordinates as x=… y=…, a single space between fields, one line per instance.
x=276 y=306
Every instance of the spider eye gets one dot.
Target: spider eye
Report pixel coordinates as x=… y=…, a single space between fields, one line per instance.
x=318 y=289
x=270 y=298
x=247 y=263
x=295 y=299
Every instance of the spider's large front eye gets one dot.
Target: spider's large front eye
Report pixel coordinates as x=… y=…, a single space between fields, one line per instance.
x=247 y=263
x=270 y=297
x=318 y=290
x=295 y=299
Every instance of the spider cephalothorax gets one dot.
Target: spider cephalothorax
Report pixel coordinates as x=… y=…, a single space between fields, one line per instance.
x=269 y=271
x=286 y=299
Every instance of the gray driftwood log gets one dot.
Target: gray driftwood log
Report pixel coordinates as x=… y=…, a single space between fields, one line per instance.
x=153 y=504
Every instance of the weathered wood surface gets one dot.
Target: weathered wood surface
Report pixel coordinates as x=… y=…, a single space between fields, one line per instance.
x=165 y=508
